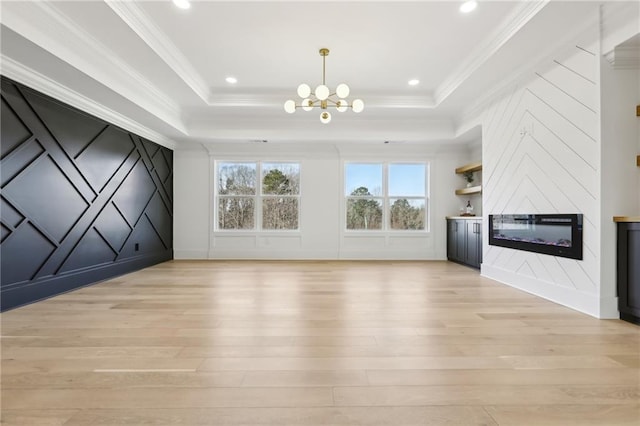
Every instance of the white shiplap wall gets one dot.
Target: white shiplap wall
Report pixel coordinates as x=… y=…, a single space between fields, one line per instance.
x=541 y=154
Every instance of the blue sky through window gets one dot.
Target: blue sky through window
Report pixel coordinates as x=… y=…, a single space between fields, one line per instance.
x=404 y=179
x=367 y=175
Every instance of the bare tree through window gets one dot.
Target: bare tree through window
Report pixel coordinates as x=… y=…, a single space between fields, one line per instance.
x=240 y=193
x=386 y=196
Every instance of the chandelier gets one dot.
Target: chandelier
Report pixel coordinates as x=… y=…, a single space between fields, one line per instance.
x=323 y=98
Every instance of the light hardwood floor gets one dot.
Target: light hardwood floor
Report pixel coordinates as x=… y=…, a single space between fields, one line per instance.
x=314 y=343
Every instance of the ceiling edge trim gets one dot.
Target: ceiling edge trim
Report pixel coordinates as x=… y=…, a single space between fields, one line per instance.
x=64 y=39
x=275 y=100
x=148 y=32
x=31 y=78
x=527 y=70
x=624 y=58
x=512 y=24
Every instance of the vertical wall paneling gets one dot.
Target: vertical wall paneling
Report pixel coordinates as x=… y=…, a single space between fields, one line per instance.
x=81 y=199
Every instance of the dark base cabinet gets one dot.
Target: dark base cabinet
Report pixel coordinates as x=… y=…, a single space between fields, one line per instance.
x=464 y=241
x=629 y=271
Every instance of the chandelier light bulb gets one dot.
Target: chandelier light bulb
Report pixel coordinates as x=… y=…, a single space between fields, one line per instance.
x=357 y=105
x=342 y=90
x=322 y=92
x=325 y=117
x=307 y=104
x=342 y=105
x=304 y=90
x=290 y=106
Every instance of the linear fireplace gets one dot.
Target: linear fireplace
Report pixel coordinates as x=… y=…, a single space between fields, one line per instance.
x=554 y=234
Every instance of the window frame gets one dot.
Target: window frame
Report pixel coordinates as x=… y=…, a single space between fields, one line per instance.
x=386 y=198
x=257 y=197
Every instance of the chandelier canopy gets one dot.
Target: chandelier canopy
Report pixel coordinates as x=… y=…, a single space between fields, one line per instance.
x=323 y=98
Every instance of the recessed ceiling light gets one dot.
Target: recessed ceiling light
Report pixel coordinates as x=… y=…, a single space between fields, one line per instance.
x=182 y=4
x=468 y=6
x=231 y=80
x=414 y=82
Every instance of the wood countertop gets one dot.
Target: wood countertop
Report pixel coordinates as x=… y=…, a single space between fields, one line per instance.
x=626 y=218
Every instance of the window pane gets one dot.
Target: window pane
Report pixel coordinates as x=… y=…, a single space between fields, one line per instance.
x=235 y=213
x=407 y=180
x=237 y=179
x=406 y=214
x=280 y=213
x=281 y=179
x=363 y=179
x=365 y=213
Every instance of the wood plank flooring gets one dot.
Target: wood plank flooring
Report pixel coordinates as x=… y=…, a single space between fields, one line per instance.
x=314 y=343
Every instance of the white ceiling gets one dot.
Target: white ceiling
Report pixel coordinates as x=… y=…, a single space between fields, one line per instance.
x=160 y=71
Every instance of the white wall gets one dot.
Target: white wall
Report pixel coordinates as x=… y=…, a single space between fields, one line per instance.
x=321 y=234
x=191 y=203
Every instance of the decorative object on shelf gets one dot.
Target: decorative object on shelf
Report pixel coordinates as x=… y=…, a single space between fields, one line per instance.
x=323 y=98
x=468 y=170
x=468 y=176
x=468 y=210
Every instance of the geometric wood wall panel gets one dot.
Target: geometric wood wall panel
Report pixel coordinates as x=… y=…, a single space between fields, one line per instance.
x=81 y=200
x=541 y=154
x=73 y=139
x=110 y=148
x=23 y=254
x=47 y=197
x=135 y=193
x=14 y=132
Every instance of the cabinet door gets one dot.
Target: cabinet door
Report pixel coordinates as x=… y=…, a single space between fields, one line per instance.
x=455 y=239
x=451 y=239
x=472 y=249
x=479 y=233
x=629 y=271
x=461 y=240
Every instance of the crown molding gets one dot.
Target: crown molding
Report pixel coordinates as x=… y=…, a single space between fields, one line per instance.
x=276 y=99
x=619 y=21
x=22 y=74
x=143 y=26
x=624 y=58
x=512 y=24
x=47 y=27
x=527 y=71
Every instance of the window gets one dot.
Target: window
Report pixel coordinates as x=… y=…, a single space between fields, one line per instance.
x=386 y=196
x=246 y=203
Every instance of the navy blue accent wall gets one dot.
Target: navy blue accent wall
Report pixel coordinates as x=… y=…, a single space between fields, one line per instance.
x=81 y=200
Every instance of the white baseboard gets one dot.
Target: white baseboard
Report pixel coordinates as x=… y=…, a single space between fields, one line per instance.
x=190 y=254
x=588 y=303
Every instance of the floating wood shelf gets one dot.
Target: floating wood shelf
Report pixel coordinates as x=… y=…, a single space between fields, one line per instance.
x=638 y=111
x=638 y=161
x=626 y=218
x=470 y=190
x=472 y=167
